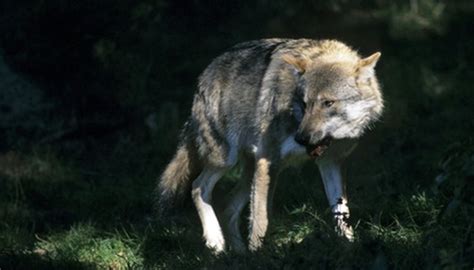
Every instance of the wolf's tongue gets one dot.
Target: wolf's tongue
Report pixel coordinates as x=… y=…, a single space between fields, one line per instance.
x=318 y=149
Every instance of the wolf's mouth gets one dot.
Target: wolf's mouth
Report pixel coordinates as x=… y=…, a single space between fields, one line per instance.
x=316 y=150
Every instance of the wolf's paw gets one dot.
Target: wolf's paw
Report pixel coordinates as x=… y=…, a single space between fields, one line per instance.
x=341 y=215
x=216 y=245
x=345 y=230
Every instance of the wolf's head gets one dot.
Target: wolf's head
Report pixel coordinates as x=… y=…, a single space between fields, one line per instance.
x=336 y=98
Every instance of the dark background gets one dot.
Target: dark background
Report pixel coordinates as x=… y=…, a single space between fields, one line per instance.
x=93 y=95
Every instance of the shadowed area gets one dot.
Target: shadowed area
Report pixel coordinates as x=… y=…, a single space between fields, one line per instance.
x=93 y=95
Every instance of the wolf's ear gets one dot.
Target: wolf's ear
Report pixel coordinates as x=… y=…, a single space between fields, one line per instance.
x=366 y=66
x=298 y=63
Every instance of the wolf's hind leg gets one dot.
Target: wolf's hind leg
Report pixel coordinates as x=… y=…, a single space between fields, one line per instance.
x=335 y=192
x=202 y=197
x=240 y=198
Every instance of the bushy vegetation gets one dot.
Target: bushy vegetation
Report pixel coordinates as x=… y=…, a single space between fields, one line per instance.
x=108 y=85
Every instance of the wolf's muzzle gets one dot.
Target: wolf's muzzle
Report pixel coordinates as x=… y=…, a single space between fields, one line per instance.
x=316 y=150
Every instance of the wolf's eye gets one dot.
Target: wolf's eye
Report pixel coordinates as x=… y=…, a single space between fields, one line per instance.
x=328 y=103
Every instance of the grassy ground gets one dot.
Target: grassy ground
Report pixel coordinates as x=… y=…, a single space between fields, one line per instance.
x=55 y=216
x=87 y=205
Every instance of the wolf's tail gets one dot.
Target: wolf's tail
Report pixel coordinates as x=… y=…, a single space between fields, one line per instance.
x=176 y=179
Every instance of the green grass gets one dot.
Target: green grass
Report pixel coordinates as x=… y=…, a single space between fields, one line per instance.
x=55 y=216
x=85 y=244
x=87 y=205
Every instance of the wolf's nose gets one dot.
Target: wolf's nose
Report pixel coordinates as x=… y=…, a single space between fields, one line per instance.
x=302 y=138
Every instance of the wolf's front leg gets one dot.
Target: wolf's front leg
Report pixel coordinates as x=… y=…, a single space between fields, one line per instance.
x=335 y=192
x=259 y=203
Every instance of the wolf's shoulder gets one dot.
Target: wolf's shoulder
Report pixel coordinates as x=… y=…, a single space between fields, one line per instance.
x=313 y=49
x=294 y=46
x=249 y=55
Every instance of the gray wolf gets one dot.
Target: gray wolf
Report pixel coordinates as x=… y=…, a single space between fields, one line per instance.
x=270 y=103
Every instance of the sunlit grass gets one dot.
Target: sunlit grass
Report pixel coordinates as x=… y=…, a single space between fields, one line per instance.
x=83 y=243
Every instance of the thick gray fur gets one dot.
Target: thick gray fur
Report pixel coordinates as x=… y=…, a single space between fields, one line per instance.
x=251 y=103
